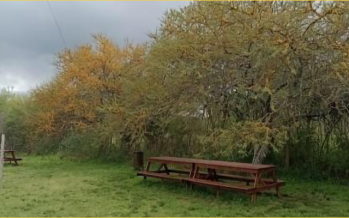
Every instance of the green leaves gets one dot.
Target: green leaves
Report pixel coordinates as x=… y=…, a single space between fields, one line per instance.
x=227 y=79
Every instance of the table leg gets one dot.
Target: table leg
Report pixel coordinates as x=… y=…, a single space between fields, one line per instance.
x=148 y=166
x=5 y=156
x=166 y=168
x=14 y=158
x=196 y=172
x=191 y=175
x=256 y=183
x=211 y=174
x=160 y=167
x=147 y=169
x=273 y=174
x=192 y=170
x=253 y=198
x=215 y=177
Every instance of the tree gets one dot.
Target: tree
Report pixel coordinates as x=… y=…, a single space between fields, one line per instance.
x=88 y=82
x=251 y=67
x=227 y=80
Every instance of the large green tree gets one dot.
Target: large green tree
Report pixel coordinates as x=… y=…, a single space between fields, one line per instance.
x=252 y=70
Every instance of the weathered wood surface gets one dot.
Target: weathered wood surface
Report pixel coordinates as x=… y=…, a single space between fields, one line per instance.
x=196 y=177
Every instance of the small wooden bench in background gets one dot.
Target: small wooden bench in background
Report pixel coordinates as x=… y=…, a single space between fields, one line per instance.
x=12 y=157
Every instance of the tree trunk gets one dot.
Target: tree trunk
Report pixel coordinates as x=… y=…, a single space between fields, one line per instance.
x=287 y=155
x=260 y=152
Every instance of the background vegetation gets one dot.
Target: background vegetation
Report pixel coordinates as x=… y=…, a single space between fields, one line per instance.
x=247 y=81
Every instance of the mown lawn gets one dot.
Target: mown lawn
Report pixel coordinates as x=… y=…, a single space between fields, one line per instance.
x=49 y=186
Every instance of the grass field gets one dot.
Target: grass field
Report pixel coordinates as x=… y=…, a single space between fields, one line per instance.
x=49 y=186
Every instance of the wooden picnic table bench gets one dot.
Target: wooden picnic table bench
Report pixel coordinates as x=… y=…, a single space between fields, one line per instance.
x=213 y=179
x=12 y=157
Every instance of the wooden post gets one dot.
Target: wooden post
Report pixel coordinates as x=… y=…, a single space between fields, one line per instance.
x=2 y=150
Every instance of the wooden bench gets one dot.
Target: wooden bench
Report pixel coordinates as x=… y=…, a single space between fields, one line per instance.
x=12 y=157
x=221 y=185
x=233 y=187
x=246 y=179
x=204 y=182
x=146 y=174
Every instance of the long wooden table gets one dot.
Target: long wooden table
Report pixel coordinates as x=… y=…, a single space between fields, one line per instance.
x=194 y=176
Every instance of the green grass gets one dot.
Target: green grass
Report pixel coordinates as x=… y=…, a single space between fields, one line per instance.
x=49 y=186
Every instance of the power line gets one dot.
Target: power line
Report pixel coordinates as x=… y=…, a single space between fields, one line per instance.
x=57 y=25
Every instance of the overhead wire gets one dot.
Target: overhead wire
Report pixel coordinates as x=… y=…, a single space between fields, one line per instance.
x=57 y=25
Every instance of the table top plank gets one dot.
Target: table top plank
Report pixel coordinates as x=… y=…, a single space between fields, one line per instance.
x=214 y=163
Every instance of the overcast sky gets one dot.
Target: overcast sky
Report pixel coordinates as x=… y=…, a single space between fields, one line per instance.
x=30 y=39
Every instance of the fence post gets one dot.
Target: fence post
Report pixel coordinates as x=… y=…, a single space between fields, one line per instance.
x=2 y=149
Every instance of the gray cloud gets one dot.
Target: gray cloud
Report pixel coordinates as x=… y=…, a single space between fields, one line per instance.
x=29 y=38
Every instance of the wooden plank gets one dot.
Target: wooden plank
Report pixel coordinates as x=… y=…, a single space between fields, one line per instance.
x=239 y=167
x=12 y=159
x=172 y=160
x=245 y=178
x=221 y=176
x=179 y=171
x=220 y=185
x=159 y=175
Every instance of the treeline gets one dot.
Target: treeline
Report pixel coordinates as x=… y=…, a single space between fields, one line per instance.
x=246 y=81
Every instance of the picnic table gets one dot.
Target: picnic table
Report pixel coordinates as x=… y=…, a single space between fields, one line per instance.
x=195 y=174
x=12 y=157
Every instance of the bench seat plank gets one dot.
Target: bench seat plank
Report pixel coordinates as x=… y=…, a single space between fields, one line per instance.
x=159 y=175
x=225 y=176
x=246 y=179
x=221 y=185
x=12 y=159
